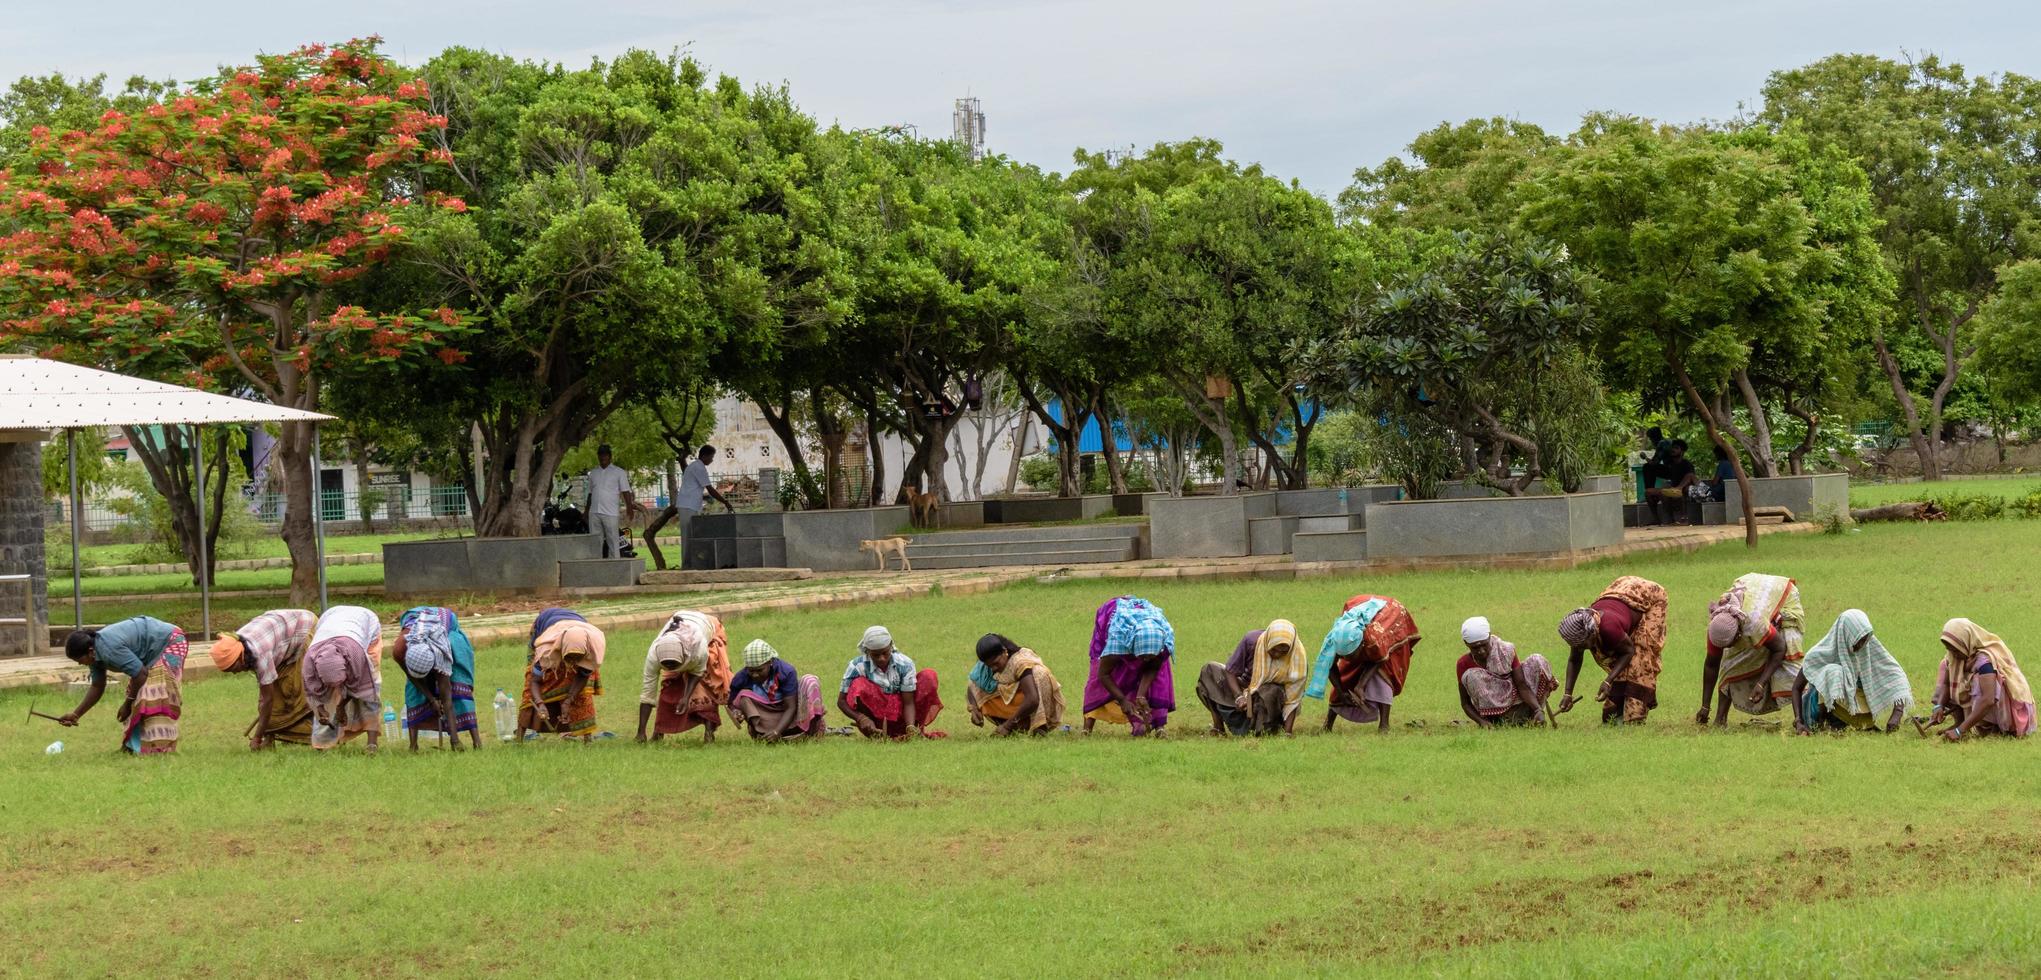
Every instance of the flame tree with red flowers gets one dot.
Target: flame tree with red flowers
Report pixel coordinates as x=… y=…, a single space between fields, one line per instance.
x=221 y=236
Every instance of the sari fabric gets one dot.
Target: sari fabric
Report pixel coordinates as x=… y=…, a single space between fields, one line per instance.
x=152 y=726
x=339 y=677
x=1373 y=633
x=1126 y=632
x=1978 y=654
x=688 y=698
x=1291 y=673
x=784 y=705
x=565 y=649
x=1852 y=682
x=1002 y=701
x=1491 y=683
x=1765 y=607
x=441 y=630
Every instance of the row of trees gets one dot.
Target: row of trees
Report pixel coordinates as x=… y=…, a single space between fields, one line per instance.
x=488 y=260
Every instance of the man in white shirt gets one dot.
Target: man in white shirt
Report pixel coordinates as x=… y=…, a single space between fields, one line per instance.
x=695 y=484
x=608 y=485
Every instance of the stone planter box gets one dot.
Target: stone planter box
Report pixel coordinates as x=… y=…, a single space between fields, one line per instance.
x=1467 y=489
x=1327 y=502
x=1205 y=527
x=601 y=573
x=1491 y=526
x=827 y=540
x=1806 y=496
x=963 y=513
x=1130 y=504
x=1047 y=510
x=454 y=565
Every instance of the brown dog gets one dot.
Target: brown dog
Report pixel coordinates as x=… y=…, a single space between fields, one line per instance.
x=924 y=509
x=881 y=547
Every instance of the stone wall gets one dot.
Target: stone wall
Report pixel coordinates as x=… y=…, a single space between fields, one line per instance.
x=1806 y=496
x=21 y=541
x=1488 y=526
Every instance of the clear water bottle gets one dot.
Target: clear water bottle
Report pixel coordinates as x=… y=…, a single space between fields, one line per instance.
x=56 y=748
x=506 y=716
x=391 y=727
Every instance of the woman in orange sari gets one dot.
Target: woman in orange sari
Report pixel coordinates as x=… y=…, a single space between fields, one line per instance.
x=563 y=676
x=687 y=675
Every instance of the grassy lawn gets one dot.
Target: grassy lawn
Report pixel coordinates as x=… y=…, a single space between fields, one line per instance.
x=225 y=580
x=262 y=547
x=1874 y=494
x=1433 y=851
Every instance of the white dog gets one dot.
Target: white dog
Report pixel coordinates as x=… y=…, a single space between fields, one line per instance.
x=881 y=547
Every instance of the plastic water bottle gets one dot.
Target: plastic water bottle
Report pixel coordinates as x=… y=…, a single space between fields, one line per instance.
x=506 y=715
x=391 y=728
x=56 y=747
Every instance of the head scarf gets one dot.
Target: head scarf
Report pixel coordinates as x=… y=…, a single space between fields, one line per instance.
x=689 y=646
x=1970 y=639
x=1852 y=681
x=227 y=651
x=1579 y=627
x=1289 y=670
x=1474 y=630
x=1723 y=629
x=758 y=653
x=428 y=649
x=876 y=638
x=568 y=640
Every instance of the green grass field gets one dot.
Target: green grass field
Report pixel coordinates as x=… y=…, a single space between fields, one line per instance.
x=1873 y=494
x=1431 y=851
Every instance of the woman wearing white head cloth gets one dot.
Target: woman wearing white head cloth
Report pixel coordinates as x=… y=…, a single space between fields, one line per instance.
x=1497 y=688
x=687 y=677
x=1849 y=681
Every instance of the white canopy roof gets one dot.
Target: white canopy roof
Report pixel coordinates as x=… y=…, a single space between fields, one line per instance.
x=42 y=394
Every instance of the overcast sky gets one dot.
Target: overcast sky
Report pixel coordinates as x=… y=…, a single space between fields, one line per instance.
x=1309 y=88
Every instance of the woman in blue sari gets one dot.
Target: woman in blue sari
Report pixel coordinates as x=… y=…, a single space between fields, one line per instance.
x=439 y=675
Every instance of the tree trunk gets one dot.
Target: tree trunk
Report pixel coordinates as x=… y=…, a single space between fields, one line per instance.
x=830 y=431
x=1796 y=460
x=300 y=492
x=1211 y=413
x=872 y=445
x=361 y=485
x=1923 y=447
x=1750 y=520
x=1023 y=427
x=1109 y=444
x=1760 y=440
x=780 y=420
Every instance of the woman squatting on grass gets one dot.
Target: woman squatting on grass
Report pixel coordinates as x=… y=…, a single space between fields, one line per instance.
x=884 y=694
x=1495 y=687
x=1259 y=689
x=1014 y=688
x=1980 y=686
x=1849 y=681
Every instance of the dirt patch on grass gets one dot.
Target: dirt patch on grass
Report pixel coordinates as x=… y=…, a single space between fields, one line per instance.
x=1401 y=929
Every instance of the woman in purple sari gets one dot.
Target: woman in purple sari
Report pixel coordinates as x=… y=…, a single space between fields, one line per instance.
x=1130 y=684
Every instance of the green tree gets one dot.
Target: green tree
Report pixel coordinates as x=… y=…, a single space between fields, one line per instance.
x=1461 y=178
x=1953 y=161
x=1703 y=249
x=1485 y=338
x=622 y=222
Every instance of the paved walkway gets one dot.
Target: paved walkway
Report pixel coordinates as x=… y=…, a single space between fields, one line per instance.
x=510 y=621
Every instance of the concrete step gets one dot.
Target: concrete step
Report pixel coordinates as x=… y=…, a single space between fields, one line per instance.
x=1270 y=535
x=1126 y=552
x=1329 y=546
x=1331 y=522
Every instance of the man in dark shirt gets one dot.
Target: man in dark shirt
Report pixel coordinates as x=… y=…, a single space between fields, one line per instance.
x=1677 y=474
